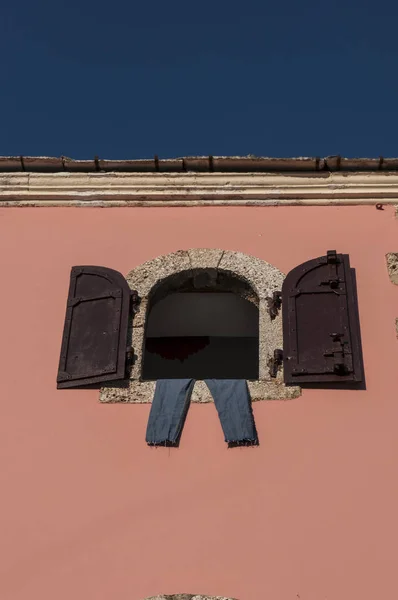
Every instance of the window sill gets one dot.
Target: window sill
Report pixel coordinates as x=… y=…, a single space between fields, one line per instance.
x=141 y=392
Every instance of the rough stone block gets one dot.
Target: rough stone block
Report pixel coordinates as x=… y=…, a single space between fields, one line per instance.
x=264 y=278
x=205 y=258
x=392 y=266
x=151 y=273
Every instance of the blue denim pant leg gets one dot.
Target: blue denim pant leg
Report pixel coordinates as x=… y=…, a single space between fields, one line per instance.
x=233 y=403
x=168 y=411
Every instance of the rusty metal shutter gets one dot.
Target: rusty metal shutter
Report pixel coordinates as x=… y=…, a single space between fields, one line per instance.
x=321 y=331
x=95 y=331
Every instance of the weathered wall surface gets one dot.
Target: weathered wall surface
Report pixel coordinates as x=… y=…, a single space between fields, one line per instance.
x=89 y=511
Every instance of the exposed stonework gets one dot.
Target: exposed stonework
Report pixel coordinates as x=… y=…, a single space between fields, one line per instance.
x=205 y=258
x=188 y=597
x=145 y=277
x=202 y=268
x=392 y=266
x=141 y=392
x=261 y=276
x=140 y=315
x=137 y=344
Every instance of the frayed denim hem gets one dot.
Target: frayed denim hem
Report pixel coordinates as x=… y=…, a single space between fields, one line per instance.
x=164 y=444
x=237 y=443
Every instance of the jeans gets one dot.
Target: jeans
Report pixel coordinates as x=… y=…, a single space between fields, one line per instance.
x=171 y=402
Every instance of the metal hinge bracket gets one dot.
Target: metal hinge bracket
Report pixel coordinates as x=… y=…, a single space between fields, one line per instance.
x=342 y=359
x=331 y=256
x=130 y=357
x=275 y=362
x=135 y=301
x=274 y=304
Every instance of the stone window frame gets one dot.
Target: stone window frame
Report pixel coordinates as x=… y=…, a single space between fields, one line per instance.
x=259 y=280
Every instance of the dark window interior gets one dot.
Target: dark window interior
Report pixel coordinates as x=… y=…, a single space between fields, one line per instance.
x=203 y=335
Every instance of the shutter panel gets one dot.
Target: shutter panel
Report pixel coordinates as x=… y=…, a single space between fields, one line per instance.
x=321 y=331
x=94 y=341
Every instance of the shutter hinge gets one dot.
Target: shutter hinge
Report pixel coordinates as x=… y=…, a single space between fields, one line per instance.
x=135 y=301
x=275 y=362
x=129 y=359
x=332 y=260
x=274 y=304
x=342 y=358
x=331 y=256
x=334 y=282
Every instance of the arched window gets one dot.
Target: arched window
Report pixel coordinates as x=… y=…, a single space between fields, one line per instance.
x=201 y=280
x=203 y=325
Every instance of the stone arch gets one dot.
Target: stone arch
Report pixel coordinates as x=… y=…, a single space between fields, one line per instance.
x=258 y=280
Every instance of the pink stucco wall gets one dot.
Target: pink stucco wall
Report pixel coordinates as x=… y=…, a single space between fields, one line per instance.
x=89 y=511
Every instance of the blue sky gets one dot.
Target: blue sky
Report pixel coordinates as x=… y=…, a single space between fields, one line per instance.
x=127 y=79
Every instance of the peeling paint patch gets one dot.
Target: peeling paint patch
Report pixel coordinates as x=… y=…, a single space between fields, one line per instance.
x=392 y=266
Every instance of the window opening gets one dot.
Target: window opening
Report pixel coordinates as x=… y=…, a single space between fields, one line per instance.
x=202 y=335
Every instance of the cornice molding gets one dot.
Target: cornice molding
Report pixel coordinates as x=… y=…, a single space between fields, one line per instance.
x=197 y=189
